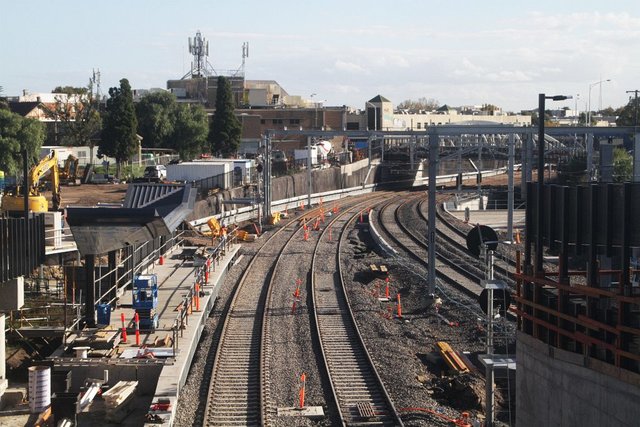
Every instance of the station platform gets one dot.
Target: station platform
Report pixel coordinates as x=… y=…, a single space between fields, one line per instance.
x=160 y=362
x=494 y=218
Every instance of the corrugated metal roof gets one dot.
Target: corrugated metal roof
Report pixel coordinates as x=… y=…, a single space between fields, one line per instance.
x=143 y=195
x=149 y=211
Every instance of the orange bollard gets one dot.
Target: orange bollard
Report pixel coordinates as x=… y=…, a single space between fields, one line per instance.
x=137 y=321
x=197 y=296
x=303 y=379
x=386 y=290
x=124 y=329
x=306 y=236
x=161 y=260
x=399 y=308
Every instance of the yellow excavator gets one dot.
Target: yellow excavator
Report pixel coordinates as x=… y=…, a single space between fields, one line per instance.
x=14 y=201
x=69 y=172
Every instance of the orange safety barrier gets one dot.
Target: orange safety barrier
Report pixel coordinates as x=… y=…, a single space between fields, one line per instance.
x=386 y=289
x=161 y=260
x=137 y=320
x=197 y=296
x=399 y=308
x=303 y=380
x=124 y=329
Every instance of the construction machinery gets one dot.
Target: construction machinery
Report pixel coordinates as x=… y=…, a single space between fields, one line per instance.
x=69 y=173
x=14 y=200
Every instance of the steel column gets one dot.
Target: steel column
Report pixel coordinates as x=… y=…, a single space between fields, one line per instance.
x=431 y=238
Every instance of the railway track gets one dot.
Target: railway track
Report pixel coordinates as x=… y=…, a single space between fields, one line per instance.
x=358 y=391
x=453 y=266
x=452 y=246
x=237 y=387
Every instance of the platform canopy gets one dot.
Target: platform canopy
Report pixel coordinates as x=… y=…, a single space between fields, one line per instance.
x=148 y=211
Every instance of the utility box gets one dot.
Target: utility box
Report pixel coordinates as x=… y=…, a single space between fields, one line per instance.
x=145 y=300
x=12 y=294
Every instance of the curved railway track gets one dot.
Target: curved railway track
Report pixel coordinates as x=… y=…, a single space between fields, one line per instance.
x=450 y=246
x=358 y=390
x=454 y=267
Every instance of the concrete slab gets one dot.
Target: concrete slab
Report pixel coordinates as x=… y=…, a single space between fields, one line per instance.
x=308 y=412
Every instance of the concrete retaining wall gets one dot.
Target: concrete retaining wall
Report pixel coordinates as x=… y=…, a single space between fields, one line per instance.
x=291 y=186
x=560 y=388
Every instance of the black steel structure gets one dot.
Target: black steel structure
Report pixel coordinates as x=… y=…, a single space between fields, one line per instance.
x=22 y=246
x=590 y=304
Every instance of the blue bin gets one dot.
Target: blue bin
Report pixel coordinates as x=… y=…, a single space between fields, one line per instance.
x=104 y=314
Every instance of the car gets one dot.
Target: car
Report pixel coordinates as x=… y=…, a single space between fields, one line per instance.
x=155 y=173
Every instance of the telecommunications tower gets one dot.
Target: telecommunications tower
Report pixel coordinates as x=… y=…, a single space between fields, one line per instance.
x=199 y=48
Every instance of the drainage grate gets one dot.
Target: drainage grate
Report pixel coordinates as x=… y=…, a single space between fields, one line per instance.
x=365 y=410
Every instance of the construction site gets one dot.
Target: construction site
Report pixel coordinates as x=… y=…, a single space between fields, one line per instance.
x=110 y=290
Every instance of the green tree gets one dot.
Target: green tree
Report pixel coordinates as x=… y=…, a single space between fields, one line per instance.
x=190 y=131
x=16 y=133
x=622 y=165
x=630 y=113
x=156 y=118
x=225 y=130
x=77 y=112
x=119 y=139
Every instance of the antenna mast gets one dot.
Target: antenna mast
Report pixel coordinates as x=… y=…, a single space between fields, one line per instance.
x=199 y=48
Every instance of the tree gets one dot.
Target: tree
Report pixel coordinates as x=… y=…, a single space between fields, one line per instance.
x=16 y=133
x=622 y=165
x=156 y=118
x=71 y=90
x=630 y=113
x=423 y=103
x=119 y=139
x=77 y=112
x=225 y=130
x=190 y=131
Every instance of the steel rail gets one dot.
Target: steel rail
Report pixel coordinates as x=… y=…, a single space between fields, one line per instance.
x=358 y=390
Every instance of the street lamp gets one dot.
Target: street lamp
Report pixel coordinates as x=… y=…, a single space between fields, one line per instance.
x=375 y=115
x=590 y=86
x=575 y=111
x=540 y=224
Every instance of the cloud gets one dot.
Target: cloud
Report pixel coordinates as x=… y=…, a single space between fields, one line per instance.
x=349 y=67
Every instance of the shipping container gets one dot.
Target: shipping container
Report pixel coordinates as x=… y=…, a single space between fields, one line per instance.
x=193 y=171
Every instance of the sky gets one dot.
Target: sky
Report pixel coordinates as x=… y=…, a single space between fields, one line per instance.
x=346 y=52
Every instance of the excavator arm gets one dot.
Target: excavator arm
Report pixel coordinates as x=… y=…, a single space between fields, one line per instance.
x=37 y=203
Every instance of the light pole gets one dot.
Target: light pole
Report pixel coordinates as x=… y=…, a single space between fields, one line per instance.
x=590 y=86
x=540 y=218
x=575 y=111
